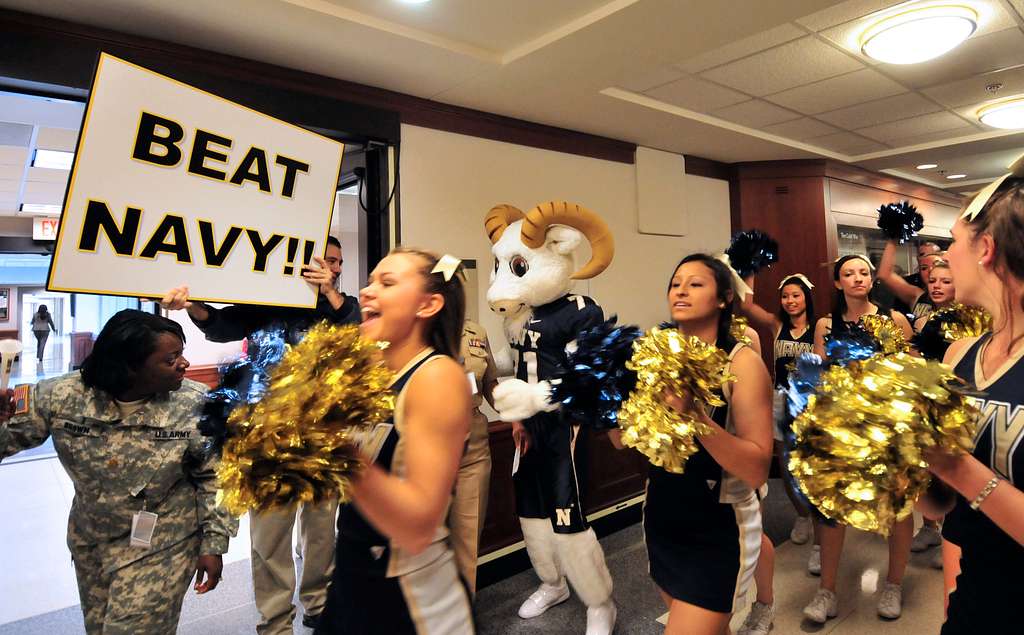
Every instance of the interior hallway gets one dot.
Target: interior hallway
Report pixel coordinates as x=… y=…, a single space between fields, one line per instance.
x=39 y=595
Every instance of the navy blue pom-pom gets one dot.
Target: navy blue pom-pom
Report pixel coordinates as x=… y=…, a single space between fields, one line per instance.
x=595 y=381
x=241 y=381
x=751 y=251
x=899 y=221
x=803 y=380
x=852 y=344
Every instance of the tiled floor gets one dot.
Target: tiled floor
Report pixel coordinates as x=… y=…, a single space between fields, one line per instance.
x=38 y=593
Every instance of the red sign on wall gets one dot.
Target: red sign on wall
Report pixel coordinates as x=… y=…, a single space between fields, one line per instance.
x=44 y=227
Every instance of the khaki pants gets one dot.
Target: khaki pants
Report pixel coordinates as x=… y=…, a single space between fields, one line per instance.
x=142 y=597
x=469 y=504
x=273 y=569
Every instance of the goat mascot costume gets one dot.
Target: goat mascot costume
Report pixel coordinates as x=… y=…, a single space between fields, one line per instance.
x=530 y=289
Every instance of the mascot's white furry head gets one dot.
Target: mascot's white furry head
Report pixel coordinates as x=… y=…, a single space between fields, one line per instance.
x=533 y=253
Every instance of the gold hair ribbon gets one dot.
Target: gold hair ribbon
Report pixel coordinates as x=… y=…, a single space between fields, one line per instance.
x=858 y=256
x=738 y=286
x=799 y=276
x=981 y=198
x=447 y=266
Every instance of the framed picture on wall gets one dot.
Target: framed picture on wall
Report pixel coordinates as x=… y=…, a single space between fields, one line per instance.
x=5 y=304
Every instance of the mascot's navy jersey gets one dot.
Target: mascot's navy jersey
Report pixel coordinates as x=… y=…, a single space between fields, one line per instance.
x=540 y=345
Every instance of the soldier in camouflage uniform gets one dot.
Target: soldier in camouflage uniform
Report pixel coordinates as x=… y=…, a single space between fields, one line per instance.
x=125 y=431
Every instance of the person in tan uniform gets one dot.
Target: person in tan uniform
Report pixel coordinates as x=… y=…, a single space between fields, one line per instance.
x=469 y=506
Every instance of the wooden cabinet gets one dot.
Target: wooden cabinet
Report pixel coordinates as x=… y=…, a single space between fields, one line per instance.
x=613 y=476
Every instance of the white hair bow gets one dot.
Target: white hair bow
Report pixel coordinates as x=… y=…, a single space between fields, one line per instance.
x=981 y=198
x=738 y=286
x=447 y=266
x=799 y=276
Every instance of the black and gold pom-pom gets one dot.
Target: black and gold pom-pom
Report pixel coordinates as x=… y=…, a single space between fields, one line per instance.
x=899 y=221
x=297 y=444
x=751 y=251
x=948 y=325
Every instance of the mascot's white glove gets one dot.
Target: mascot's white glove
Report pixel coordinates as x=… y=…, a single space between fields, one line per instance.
x=516 y=400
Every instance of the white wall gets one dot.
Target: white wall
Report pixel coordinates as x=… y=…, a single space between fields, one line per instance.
x=450 y=181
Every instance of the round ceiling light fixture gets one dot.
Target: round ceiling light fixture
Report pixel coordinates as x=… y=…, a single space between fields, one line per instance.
x=918 y=34
x=1007 y=114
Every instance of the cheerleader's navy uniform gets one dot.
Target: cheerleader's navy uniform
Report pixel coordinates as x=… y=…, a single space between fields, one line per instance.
x=703 y=528
x=379 y=588
x=786 y=350
x=991 y=580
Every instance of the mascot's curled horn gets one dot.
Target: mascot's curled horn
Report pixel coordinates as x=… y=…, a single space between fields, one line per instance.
x=530 y=288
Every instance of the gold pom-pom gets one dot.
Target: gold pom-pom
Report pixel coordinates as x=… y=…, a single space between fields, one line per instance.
x=667 y=361
x=858 y=449
x=738 y=329
x=297 y=444
x=889 y=335
x=966 y=321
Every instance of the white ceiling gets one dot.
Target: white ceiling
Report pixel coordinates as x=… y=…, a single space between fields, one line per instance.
x=773 y=80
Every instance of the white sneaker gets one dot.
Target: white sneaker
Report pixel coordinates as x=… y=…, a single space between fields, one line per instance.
x=801 y=530
x=927 y=538
x=890 y=601
x=822 y=607
x=814 y=561
x=601 y=619
x=759 y=620
x=544 y=598
x=936 y=559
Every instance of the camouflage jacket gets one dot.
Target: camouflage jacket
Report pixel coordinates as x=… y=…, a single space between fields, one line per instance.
x=151 y=460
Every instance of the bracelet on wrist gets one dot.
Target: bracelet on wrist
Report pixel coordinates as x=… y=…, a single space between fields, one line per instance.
x=984 y=493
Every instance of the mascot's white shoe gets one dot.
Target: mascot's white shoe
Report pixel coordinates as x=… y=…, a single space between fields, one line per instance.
x=601 y=619
x=544 y=598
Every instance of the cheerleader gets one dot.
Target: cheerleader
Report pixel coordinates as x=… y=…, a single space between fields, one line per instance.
x=919 y=299
x=394 y=570
x=942 y=294
x=703 y=527
x=793 y=335
x=986 y=525
x=852 y=278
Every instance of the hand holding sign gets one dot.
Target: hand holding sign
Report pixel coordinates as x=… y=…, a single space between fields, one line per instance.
x=172 y=183
x=319 y=275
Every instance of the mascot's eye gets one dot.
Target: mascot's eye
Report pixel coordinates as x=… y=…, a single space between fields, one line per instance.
x=495 y=265
x=519 y=266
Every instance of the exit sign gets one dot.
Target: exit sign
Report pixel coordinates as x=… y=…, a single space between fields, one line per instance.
x=44 y=228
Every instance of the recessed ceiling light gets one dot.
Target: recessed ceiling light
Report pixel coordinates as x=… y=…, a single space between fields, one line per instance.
x=55 y=159
x=956 y=176
x=927 y=166
x=920 y=34
x=1004 y=114
x=37 y=208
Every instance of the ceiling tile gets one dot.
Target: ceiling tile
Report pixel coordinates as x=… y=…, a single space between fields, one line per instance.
x=972 y=90
x=755 y=113
x=15 y=134
x=801 y=129
x=913 y=127
x=844 y=12
x=1018 y=6
x=57 y=139
x=653 y=78
x=9 y=184
x=741 y=48
x=794 y=64
x=838 y=92
x=43 y=193
x=697 y=94
x=976 y=56
x=942 y=135
x=10 y=155
x=848 y=143
x=880 y=111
